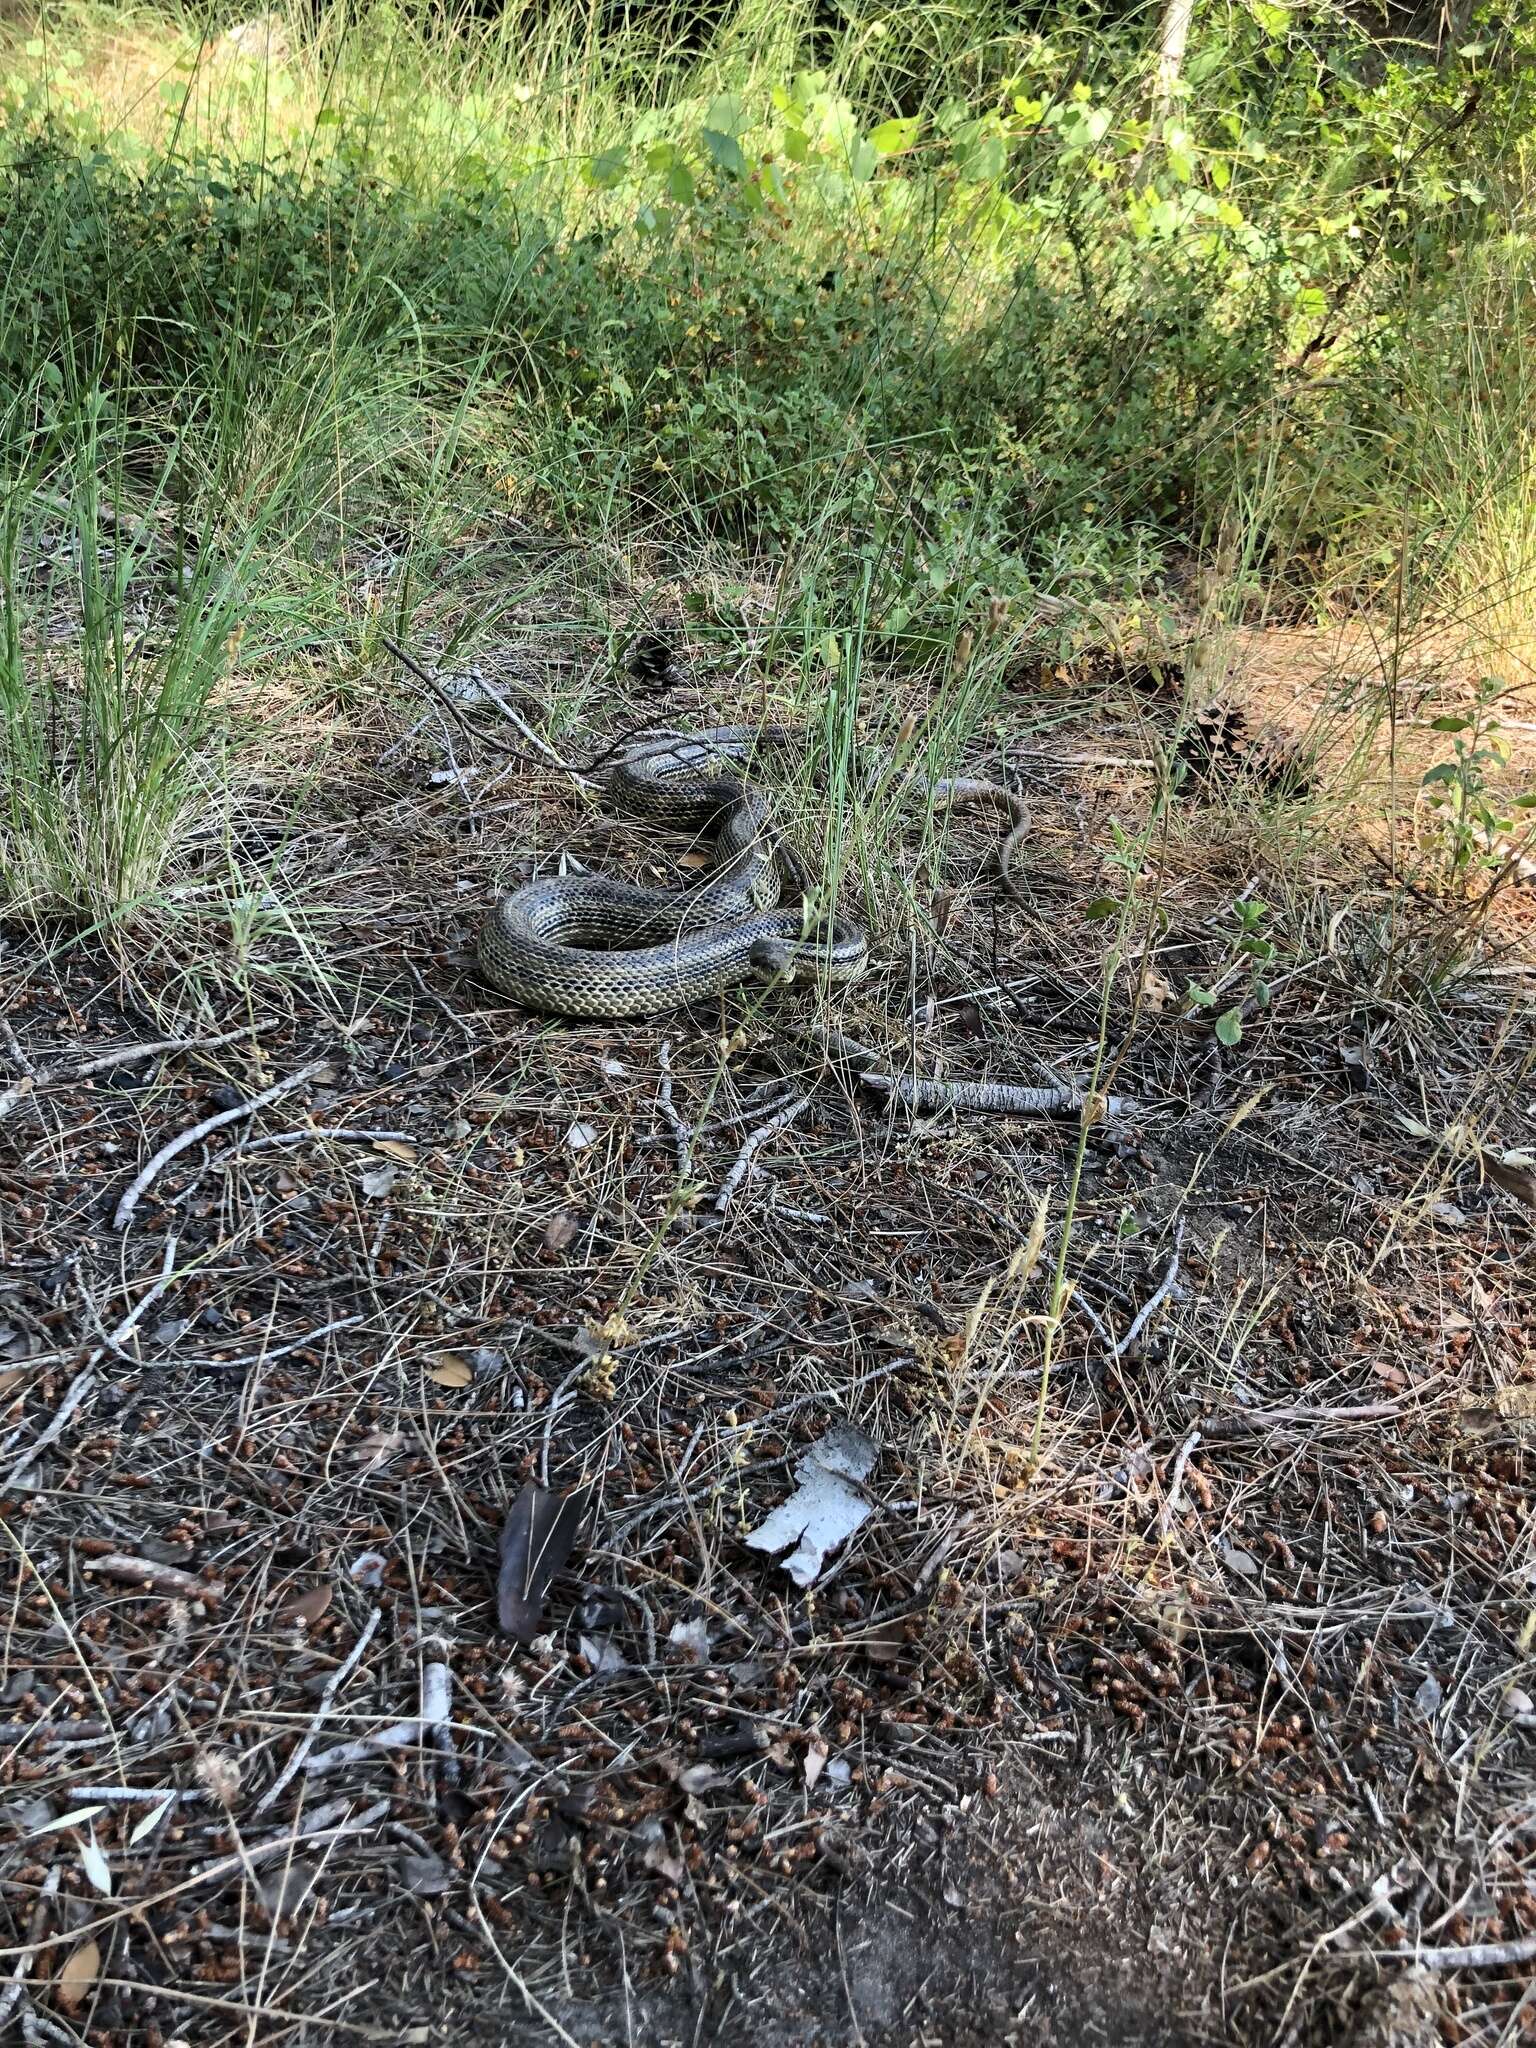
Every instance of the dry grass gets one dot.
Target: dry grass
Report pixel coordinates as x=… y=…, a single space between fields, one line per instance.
x=1236 y=1594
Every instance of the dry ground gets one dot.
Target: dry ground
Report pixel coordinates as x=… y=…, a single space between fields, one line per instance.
x=1177 y=1694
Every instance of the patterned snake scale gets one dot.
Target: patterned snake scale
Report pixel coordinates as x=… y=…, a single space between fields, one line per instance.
x=591 y=946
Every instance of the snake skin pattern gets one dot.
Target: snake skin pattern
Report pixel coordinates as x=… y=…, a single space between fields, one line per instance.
x=590 y=946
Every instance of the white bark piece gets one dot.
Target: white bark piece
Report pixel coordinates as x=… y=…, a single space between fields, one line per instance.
x=827 y=1506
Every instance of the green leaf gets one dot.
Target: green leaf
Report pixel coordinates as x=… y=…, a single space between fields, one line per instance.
x=1101 y=908
x=1273 y=20
x=1450 y=723
x=1229 y=1026
x=831 y=651
x=607 y=169
x=727 y=114
x=327 y=118
x=862 y=159
x=726 y=152
x=661 y=156
x=1446 y=772
x=892 y=137
x=680 y=185
x=979 y=153
x=796 y=145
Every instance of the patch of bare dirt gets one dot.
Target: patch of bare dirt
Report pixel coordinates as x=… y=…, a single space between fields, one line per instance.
x=1173 y=1684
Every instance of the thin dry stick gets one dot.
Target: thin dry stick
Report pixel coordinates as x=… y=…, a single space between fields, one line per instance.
x=533 y=2003
x=147 y=1175
x=456 y=713
x=297 y=1344
x=1474 y=1955
x=1259 y=1420
x=682 y=1133
x=103 y=1063
x=338 y=1131
x=10 y=1997
x=752 y=1145
x=1170 y=1505
x=333 y=1685
x=79 y=1387
x=431 y=1728
x=239 y=1863
x=1150 y=1308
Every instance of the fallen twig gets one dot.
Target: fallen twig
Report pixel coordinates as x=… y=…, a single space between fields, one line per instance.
x=337 y=1131
x=682 y=1133
x=160 y=1578
x=752 y=1145
x=10 y=1995
x=1472 y=1955
x=103 y=1063
x=430 y=1729
x=998 y=1098
x=333 y=1685
x=1149 y=1308
x=1170 y=1506
x=122 y=1216
x=456 y=713
x=1259 y=1419
x=79 y=1387
x=295 y=1344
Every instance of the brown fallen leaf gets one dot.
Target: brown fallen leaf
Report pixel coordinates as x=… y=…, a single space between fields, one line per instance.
x=396 y=1148
x=1515 y=1173
x=306 y=1606
x=559 y=1231
x=450 y=1369
x=80 y=1971
x=537 y=1537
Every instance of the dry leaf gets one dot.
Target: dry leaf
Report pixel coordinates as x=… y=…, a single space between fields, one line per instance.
x=537 y=1537
x=96 y=1866
x=396 y=1148
x=378 y=1447
x=450 y=1369
x=77 y=1976
x=816 y=1755
x=694 y=860
x=307 y=1606
x=580 y=1136
x=1515 y=1173
x=559 y=1232
x=378 y=1181
x=692 y=1638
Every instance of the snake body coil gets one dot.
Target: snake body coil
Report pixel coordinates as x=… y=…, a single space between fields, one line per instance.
x=590 y=946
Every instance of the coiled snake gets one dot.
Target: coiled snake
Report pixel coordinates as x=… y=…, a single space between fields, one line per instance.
x=591 y=946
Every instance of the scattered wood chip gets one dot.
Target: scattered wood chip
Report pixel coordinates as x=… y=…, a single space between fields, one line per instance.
x=154 y=1578
x=537 y=1537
